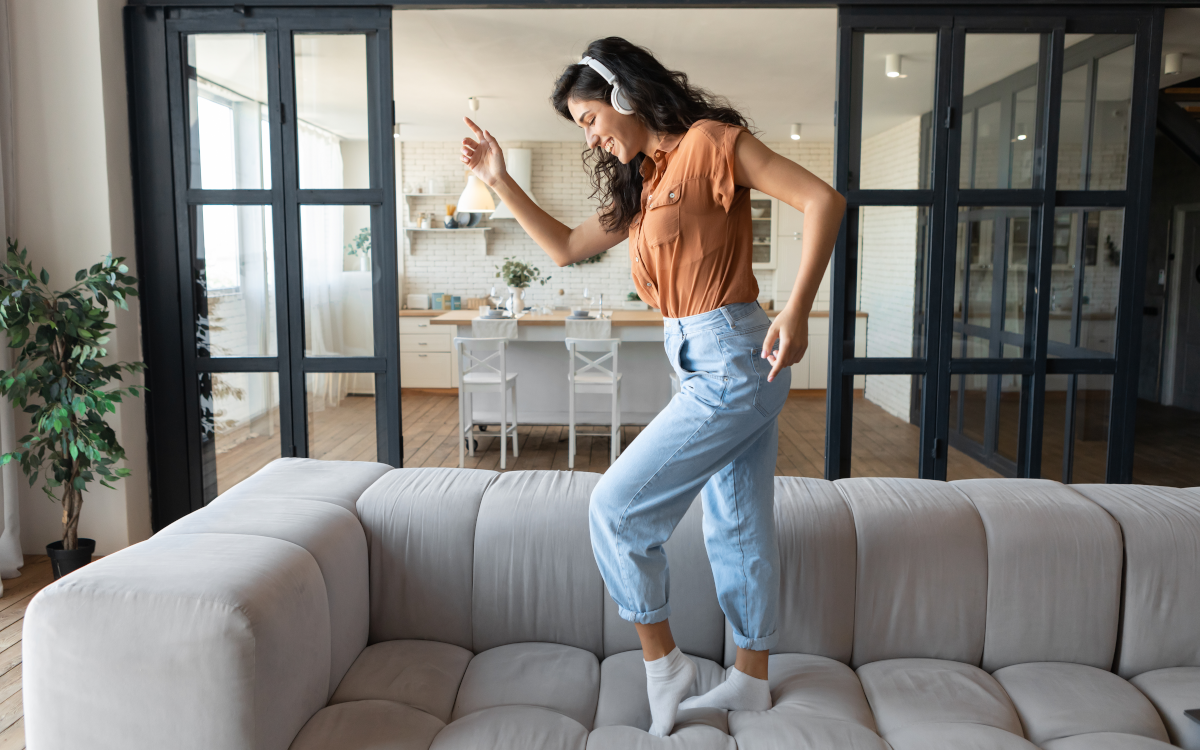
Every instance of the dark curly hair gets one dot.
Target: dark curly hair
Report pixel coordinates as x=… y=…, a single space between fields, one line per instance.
x=662 y=100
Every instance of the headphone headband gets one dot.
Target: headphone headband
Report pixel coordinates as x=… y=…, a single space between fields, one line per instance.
x=618 y=99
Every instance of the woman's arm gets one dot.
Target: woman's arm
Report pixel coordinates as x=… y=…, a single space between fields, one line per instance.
x=760 y=168
x=563 y=244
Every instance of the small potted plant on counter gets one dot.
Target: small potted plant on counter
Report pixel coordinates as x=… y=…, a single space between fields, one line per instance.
x=518 y=275
x=60 y=338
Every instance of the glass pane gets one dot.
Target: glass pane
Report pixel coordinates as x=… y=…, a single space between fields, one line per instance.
x=897 y=82
x=1072 y=123
x=1000 y=104
x=335 y=250
x=1077 y=413
x=331 y=111
x=340 y=407
x=1083 y=295
x=239 y=423
x=1110 y=125
x=893 y=261
x=228 y=126
x=990 y=280
x=761 y=225
x=1054 y=426
x=1097 y=91
x=886 y=435
x=985 y=413
x=234 y=272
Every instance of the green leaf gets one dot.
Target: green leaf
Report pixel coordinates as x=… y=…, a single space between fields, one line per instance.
x=45 y=277
x=79 y=484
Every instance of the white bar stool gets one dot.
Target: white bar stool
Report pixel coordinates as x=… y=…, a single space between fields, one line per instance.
x=593 y=377
x=477 y=374
x=675 y=388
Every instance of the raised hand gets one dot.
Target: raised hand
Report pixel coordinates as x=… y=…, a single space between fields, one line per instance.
x=482 y=155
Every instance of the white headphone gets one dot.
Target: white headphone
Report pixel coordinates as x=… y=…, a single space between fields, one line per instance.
x=618 y=99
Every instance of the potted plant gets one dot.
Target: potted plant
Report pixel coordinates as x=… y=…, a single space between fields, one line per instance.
x=60 y=338
x=518 y=275
x=360 y=248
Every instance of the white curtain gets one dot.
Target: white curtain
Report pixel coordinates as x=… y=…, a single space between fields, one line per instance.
x=321 y=248
x=10 y=540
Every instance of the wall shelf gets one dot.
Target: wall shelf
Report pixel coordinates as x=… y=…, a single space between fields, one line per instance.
x=480 y=232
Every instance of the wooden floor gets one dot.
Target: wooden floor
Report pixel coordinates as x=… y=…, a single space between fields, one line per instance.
x=17 y=593
x=1167 y=440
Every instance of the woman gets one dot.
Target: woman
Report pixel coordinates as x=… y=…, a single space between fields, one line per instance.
x=673 y=168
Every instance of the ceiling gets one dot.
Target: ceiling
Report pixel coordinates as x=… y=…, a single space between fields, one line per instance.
x=776 y=65
x=1181 y=33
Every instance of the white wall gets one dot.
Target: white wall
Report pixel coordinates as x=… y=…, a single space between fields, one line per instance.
x=74 y=206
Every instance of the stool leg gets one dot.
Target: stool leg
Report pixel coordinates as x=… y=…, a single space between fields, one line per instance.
x=471 y=424
x=461 y=449
x=571 y=425
x=614 y=429
x=503 y=427
x=515 y=420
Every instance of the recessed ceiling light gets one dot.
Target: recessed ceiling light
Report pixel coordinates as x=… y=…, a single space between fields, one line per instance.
x=795 y=131
x=1021 y=137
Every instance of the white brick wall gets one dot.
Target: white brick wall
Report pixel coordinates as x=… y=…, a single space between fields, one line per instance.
x=887 y=259
x=457 y=263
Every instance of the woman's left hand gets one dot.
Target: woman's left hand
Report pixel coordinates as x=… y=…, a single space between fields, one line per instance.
x=790 y=329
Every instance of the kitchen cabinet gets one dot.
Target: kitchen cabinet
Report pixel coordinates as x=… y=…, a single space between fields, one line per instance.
x=789 y=237
x=426 y=353
x=764 y=227
x=812 y=372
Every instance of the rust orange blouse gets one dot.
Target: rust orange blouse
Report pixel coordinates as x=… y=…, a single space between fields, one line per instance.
x=690 y=246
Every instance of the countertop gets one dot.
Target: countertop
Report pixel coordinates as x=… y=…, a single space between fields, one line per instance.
x=556 y=318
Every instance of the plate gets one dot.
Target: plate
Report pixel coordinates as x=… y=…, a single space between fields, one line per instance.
x=581 y=317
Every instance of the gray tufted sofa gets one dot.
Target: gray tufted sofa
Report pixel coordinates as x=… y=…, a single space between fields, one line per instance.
x=322 y=605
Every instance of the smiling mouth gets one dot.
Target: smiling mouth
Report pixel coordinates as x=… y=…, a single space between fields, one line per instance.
x=610 y=145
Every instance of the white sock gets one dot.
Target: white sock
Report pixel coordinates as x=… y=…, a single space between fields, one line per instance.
x=739 y=692
x=667 y=680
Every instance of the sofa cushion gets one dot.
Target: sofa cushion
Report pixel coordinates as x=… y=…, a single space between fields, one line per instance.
x=422 y=674
x=817 y=703
x=368 y=725
x=906 y=693
x=1058 y=700
x=1106 y=741
x=524 y=727
x=1054 y=573
x=1173 y=691
x=623 y=700
x=548 y=675
x=955 y=736
x=420 y=526
x=685 y=736
x=817 y=551
x=337 y=482
x=535 y=577
x=334 y=538
x=1161 y=527
x=921 y=581
x=697 y=622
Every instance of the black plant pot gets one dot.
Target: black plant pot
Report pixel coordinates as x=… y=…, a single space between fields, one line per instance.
x=64 y=561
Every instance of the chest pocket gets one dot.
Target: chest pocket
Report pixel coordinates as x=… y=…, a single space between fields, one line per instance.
x=660 y=220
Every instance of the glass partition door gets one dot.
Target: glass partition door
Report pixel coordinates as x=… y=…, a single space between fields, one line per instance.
x=280 y=132
x=1018 y=140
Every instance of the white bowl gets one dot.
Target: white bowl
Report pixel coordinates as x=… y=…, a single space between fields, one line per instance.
x=757 y=213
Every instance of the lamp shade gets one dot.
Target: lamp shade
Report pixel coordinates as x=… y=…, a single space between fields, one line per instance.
x=475 y=197
x=892 y=66
x=795 y=131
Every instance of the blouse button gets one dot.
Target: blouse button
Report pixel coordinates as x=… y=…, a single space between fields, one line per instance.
x=672 y=195
x=649 y=284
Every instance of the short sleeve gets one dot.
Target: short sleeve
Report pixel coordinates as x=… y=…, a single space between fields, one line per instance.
x=722 y=137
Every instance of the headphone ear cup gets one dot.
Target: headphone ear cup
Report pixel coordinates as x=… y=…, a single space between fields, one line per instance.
x=620 y=102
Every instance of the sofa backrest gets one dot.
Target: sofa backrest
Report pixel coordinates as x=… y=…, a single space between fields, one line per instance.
x=986 y=572
x=1161 y=528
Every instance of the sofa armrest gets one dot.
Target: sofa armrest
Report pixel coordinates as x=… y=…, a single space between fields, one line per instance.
x=187 y=641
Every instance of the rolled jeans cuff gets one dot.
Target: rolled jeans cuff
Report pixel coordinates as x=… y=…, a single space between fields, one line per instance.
x=765 y=643
x=645 y=618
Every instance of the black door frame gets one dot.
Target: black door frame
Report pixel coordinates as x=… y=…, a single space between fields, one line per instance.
x=943 y=199
x=166 y=203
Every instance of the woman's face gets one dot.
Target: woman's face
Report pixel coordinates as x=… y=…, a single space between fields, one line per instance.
x=607 y=129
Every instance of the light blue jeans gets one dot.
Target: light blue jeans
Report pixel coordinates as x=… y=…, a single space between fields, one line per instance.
x=718 y=436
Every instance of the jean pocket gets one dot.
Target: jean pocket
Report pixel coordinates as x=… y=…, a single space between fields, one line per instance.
x=770 y=395
x=701 y=367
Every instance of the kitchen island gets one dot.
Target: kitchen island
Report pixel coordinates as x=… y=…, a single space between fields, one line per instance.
x=539 y=356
